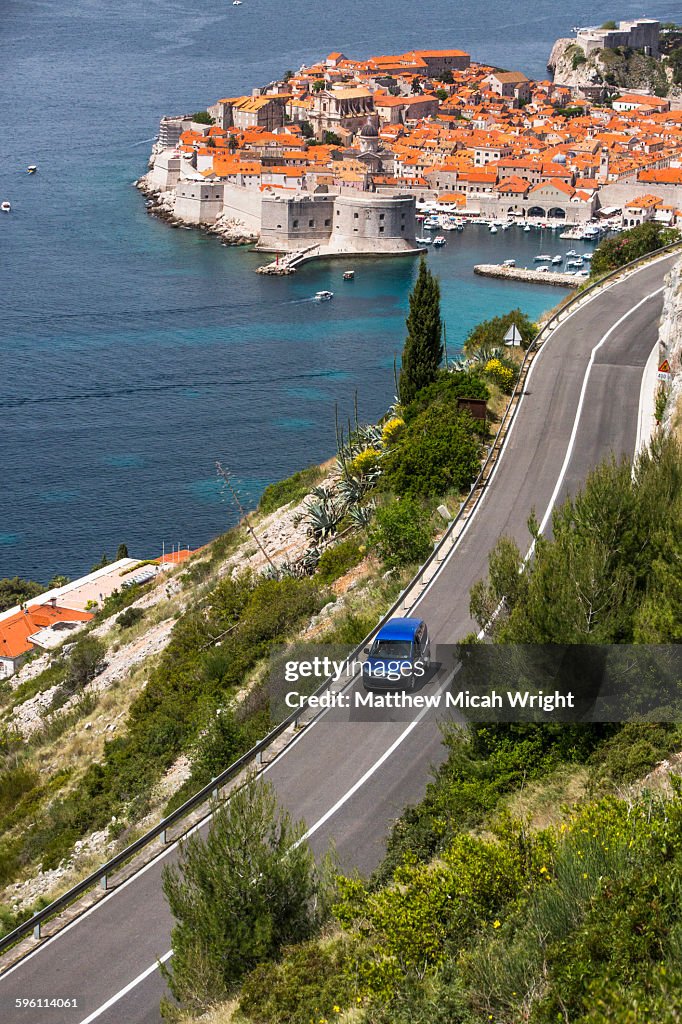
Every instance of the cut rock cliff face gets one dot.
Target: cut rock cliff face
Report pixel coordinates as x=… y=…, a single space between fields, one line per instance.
x=616 y=69
x=670 y=346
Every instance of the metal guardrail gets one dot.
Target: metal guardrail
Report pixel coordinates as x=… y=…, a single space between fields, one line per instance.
x=254 y=755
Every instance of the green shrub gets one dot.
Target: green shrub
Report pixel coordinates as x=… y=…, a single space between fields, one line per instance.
x=15 y=591
x=15 y=783
x=338 y=559
x=490 y=333
x=238 y=896
x=445 y=390
x=631 y=245
x=312 y=981
x=351 y=628
x=400 y=534
x=130 y=617
x=294 y=488
x=437 y=453
x=85 y=661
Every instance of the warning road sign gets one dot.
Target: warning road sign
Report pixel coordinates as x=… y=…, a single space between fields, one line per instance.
x=664 y=373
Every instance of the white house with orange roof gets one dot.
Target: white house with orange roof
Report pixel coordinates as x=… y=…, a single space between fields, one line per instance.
x=48 y=620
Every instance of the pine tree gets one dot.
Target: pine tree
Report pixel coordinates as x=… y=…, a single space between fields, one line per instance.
x=238 y=895
x=423 y=349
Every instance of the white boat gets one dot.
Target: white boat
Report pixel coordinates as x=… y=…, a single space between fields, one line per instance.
x=557 y=259
x=431 y=223
x=439 y=240
x=492 y=229
x=571 y=252
x=509 y=263
x=424 y=241
x=543 y=258
x=5 y=206
x=31 y=168
x=323 y=296
x=575 y=263
x=236 y=3
x=586 y=255
x=348 y=275
x=526 y=227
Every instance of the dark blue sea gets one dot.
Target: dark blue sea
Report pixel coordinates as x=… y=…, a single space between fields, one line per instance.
x=133 y=356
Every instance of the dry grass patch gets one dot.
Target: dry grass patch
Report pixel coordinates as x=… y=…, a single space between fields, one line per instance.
x=543 y=803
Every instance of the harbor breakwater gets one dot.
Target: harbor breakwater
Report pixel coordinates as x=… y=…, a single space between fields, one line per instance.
x=562 y=280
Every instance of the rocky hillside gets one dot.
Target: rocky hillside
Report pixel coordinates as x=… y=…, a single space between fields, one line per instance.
x=618 y=69
x=670 y=339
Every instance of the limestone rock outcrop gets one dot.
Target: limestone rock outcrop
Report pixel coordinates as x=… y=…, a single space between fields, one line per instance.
x=670 y=345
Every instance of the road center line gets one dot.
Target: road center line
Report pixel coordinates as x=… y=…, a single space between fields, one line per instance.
x=128 y=988
x=581 y=402
x=311 y=831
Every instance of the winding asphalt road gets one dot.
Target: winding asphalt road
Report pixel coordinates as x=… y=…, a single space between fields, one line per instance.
x=350 y=775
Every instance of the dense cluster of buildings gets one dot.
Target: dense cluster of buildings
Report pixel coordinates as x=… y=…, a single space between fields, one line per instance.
x=336 y=153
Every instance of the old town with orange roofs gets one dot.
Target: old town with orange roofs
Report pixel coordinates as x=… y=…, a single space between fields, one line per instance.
x=345 y=155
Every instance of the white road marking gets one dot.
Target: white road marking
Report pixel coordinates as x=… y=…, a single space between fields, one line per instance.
x=128 y=988
x=571 y=443
x=311 y=831
x=576 y=421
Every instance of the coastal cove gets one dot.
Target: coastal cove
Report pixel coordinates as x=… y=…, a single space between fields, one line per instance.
x=134 y=356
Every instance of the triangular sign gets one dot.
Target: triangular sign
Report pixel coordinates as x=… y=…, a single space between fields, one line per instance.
x=513 y=336
x=664 y=367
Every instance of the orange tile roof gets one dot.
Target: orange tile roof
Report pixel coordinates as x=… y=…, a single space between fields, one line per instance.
x=15 y=630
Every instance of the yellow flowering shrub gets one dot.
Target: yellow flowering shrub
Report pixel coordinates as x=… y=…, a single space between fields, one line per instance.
x=391 y=430
x=365 y=461
x=502 y=375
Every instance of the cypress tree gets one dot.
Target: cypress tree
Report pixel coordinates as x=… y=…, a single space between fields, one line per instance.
x=423 y=349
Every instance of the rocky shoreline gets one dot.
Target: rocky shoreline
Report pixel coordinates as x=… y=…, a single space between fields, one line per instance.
x=229 y=230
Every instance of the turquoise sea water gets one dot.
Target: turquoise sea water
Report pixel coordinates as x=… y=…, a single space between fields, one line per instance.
x=133 y=356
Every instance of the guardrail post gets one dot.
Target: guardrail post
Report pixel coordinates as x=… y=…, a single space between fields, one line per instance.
x=36 y=926
x=214 y=793
x=259 y=758
x=164 y=837
x=103 y=882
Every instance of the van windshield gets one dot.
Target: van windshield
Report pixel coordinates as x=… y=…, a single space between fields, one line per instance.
x=391 y=649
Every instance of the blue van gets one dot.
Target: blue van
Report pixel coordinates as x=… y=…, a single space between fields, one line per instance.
x=399 y=657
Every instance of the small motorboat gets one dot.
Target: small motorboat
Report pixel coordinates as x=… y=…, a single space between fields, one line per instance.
x=348 y=275
x=5 y=206
x=236 y=3
x=526 y=227
x=31 y=168
x=571 y=252
x=323 y=296
x=492 y=229
x=543 y=258
x=509 y=263
x=426 y=240
x=439 y=241
x=557 y=259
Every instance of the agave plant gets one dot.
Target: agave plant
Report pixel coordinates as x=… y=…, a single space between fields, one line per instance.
x=361 y=515
x=368 y=436
x=322 y=512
